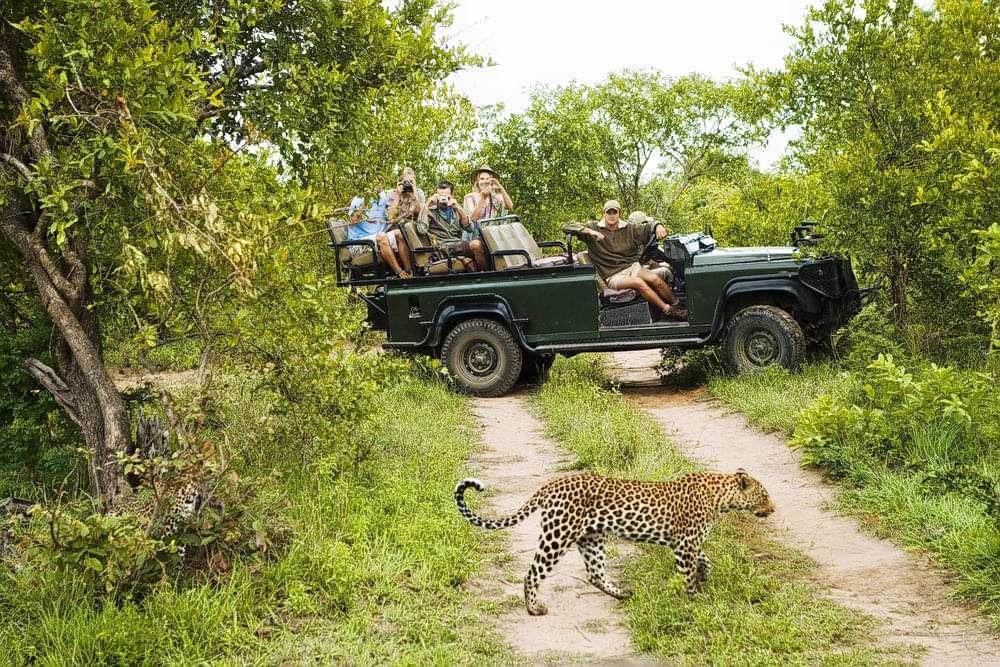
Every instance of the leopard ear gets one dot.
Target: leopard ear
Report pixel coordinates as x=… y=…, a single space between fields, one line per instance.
x=744 y=478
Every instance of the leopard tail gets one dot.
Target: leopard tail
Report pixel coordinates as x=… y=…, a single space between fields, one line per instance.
x=490 y=524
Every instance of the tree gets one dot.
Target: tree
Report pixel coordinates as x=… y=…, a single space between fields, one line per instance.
x=578 y=145
x=860 y=80
x=136 y=156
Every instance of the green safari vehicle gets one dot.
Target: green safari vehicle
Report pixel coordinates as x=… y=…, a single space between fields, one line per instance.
x=489 y=328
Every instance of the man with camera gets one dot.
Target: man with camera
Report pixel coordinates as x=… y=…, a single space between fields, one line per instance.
x=443 y=220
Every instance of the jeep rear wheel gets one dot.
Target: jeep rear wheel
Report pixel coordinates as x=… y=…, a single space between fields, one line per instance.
x=482 y=357
x=759 y=336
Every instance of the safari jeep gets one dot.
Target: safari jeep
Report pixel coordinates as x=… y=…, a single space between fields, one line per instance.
x=489 y=328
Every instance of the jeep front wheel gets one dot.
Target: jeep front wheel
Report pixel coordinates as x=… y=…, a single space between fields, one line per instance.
x=482 y=357
x=759 y=336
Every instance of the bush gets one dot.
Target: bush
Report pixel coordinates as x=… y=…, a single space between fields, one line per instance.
x=868 y=334
x=894 y=408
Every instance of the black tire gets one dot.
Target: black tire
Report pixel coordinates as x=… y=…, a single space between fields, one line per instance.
x=759 y=336
x=535 y=367
x=482 y=356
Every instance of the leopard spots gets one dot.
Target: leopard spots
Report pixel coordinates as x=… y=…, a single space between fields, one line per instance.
x=175 y=502
x=584 y=510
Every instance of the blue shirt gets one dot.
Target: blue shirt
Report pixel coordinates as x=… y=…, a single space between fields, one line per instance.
x=375 y=219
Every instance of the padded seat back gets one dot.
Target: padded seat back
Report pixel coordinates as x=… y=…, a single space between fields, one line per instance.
x=337 y=229
x=515 y=236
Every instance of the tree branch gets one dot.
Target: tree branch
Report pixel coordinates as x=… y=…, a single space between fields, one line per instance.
x=62 y=394
x=20 y=98
x=18 y=165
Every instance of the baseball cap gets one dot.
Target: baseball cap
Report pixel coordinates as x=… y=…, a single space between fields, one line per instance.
x=611 y=203
x=636 y=217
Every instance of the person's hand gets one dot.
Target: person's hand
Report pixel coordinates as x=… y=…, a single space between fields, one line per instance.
x=594 y=234
x=486 y=187
x=452 y=202
x=399 y=189
x=495 y=184
x=661 y=232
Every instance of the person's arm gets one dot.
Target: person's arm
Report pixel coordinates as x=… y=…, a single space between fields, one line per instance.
x=582 y=231
x=480 y=204
x=463 y=218
x=507 y=202
x=422 y=226
x=394 y=198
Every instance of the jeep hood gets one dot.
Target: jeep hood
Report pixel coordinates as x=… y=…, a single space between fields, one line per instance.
x=718 y=256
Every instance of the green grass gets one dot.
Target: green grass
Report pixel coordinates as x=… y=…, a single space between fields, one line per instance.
x=772 y=400
x=758 y=607
x=371 y=572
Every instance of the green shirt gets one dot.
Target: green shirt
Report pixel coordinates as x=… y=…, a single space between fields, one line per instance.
x=619 y=249
x=447 y=231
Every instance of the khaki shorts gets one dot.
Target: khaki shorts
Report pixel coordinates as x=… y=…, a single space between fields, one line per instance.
x=628 y=272
x=359 y=250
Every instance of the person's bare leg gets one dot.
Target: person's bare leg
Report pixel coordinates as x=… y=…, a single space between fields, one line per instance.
x=658 y=284
x=404 y=251
x=645 y=291
x=385 y=249
x=482 y=262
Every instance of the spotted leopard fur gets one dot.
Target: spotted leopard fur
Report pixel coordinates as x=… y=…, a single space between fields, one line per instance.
x=177 y=501
x=586 y=509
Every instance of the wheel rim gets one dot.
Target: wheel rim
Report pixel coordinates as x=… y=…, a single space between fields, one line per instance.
x=761 y=347
x=480 y=359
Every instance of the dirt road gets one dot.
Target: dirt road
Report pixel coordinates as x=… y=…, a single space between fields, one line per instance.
x=878 y=577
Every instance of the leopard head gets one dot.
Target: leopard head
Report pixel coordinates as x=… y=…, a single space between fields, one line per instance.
x=751 y=495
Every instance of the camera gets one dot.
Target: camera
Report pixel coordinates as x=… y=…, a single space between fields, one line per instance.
x=442 y=200
x=407 y=186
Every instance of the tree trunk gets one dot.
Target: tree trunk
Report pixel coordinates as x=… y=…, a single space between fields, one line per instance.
x=82 y=387
x=61 y=275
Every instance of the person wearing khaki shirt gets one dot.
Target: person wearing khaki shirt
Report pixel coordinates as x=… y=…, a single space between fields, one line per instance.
x=614 y=246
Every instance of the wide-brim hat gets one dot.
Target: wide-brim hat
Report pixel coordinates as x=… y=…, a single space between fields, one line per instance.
x=611 y=203
x=486 y=168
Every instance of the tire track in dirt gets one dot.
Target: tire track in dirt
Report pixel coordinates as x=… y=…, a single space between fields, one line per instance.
x=583 y=624
x=904 y=592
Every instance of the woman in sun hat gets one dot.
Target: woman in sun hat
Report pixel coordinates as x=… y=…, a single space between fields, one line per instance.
x=488 y=198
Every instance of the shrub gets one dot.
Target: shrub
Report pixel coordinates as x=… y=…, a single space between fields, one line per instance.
x=868 y=334
x=894 y=407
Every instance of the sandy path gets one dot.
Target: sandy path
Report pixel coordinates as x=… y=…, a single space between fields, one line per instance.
x=583 y=624
x=860 y=571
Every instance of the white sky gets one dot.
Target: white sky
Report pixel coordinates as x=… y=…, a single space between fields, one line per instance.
x=551 y=42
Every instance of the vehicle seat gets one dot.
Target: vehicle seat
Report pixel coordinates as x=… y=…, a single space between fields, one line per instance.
x=363 y=264
x=515 y=236
x=424 y=253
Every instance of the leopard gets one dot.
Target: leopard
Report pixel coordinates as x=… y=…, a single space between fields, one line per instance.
x=585 y=510
x=167 y=508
